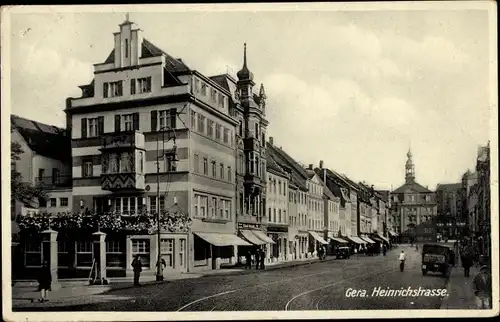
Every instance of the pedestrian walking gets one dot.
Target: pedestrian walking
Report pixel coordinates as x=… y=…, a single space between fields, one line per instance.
x=262 y=258
x=257 y=258
x=44 y=281
x=467 y=262
x=384 y=250
x=482 y=288
x=248 y=260
x=137 y=266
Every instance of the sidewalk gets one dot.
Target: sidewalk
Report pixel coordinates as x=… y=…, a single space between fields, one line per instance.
x=460 y=292
x=25 y=293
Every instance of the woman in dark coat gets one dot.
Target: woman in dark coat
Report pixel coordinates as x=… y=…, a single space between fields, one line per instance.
x=44 y=281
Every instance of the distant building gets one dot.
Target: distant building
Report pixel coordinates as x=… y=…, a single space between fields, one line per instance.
x=451 y=218
x=45 y=162
x=412 y=205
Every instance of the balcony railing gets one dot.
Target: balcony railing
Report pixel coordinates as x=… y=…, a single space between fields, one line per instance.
x=54 y=182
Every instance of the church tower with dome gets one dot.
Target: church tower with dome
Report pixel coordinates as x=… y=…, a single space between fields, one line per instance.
x=413 y=208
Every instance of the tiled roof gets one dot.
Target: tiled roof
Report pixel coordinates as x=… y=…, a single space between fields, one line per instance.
x=43 y=139
x=273 y=165
x=298 y=175
x=222 y=81
x=149 y=50
x=411 y=186
x=173 y=65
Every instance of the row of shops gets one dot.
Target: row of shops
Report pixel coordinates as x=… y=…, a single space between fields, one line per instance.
x=75 y=255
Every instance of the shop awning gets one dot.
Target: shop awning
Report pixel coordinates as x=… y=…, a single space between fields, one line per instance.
x=393 y=234
x=384 y=239
x=218 y=239
x=357 y=240
x=367 y=239
x=376 y=238
x=318 y=237
x=340 y=240
x=263 y=237
x=251 y=237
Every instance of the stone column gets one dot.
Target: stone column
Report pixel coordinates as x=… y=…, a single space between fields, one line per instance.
x=49 y=244
x=99 y=243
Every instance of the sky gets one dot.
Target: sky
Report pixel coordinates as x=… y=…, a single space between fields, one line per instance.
x=355 y=89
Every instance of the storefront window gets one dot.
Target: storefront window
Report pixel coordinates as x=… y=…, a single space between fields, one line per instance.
x=84 y=253
x=115 y=253
x=141 y=247
x=33 y=253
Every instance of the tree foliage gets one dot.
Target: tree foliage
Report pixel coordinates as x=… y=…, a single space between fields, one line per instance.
x=142 y=223
x=20 y=190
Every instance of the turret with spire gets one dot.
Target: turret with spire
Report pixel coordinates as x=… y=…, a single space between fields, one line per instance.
x=409 y=168
x=245 y=74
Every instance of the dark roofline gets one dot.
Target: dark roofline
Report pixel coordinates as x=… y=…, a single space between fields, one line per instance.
x=36 y=123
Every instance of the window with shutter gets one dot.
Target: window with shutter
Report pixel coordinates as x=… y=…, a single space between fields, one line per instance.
x=132 y=86
x=136 y=121
x=154 y=121
x=105 y=90
x=117 y=123
x=101 y=124
x=173 y=118
x=84 y=128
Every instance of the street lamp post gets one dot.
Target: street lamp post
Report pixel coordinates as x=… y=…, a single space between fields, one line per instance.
x=159 y=267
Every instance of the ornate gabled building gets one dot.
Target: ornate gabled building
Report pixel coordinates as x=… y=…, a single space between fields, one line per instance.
x=411 y=206
x=150 y=133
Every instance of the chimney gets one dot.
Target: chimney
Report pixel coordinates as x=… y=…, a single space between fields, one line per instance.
x=310 y=166
x=271 y=141
x=321 y=164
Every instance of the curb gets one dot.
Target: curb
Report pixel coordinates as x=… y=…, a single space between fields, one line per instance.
x=268 y=268
x=148 y=283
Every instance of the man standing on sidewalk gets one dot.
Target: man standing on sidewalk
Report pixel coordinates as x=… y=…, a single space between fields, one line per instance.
x=482 y=288
x=137 y=266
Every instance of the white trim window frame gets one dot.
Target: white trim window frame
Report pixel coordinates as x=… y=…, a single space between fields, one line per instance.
x=35 y=250
x=127 y=122
x=117 y=255
x=144 y=85
x=93 y=127
x=227 y=209
x=83 y=248
x=142 y=248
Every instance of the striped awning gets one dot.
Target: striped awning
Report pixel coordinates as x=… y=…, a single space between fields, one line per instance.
x=263 y=237
x=393 y=234
x=340 y=240
x=217 y=239
x=367 y=239
x=384 y=238
x=318 y=237
x=251 y=237
x=357 y=240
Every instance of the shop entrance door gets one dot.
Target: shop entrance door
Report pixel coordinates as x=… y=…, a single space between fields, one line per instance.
x=182 y=254
x=167 y=253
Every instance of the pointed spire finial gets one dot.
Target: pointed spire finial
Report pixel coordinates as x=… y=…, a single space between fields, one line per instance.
x=245 y=54
x=244 y=73
x=127 y=17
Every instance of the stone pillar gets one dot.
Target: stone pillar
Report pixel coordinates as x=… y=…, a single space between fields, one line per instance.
x=99 y=243
x=49 y=248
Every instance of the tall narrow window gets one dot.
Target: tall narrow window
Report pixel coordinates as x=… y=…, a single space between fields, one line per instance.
x=196 y=165
x=193 y=120
x=126 y=48
x=205 y=166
